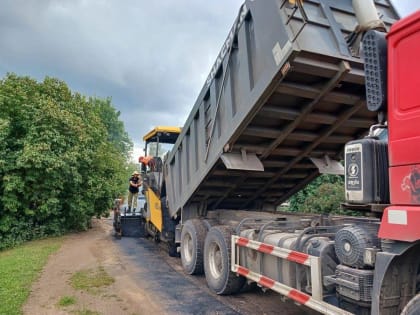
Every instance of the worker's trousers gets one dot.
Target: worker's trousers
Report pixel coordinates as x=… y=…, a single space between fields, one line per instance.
x=132 y=200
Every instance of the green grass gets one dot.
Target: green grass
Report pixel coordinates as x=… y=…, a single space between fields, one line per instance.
x=91 y=279
x=19 y=267
x=67 y=300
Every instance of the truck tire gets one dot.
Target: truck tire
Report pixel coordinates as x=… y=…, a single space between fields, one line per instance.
x=217 y=262
x=413 y=307
x=192 y=245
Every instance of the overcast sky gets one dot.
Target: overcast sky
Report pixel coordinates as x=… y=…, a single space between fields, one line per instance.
x=151 y=57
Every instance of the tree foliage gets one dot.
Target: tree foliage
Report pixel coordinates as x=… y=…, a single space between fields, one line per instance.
x=63 y=158
x=323 y=195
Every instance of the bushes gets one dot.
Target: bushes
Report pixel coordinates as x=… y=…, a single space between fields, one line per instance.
x=62 y=161
x=323 y=195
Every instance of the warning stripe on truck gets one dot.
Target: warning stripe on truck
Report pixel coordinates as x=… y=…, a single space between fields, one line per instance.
x=268 y=283
x=300 y=258
x=313 y=301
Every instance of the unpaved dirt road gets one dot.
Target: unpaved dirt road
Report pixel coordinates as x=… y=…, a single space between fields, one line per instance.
x=147 y=281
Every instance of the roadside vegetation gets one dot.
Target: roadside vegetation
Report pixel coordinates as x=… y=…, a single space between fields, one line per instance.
x=64 y=159
x=19 y=267
x=323 y=195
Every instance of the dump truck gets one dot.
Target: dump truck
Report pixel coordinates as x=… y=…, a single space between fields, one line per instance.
x=297 y=88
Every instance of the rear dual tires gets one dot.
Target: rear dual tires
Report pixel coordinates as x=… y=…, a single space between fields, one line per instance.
x=210 y=254
x=192 y=246
x=217 y=262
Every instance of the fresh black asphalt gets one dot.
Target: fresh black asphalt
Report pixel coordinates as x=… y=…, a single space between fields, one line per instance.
x=177 y=294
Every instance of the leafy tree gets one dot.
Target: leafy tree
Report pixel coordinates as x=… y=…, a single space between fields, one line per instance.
x=115 y=127
x=323 y=195
x=63 y=158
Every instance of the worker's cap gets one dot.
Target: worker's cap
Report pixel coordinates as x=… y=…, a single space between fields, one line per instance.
x=135 y=173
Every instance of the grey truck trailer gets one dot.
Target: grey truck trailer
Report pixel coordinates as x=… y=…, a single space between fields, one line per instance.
x=284 y=96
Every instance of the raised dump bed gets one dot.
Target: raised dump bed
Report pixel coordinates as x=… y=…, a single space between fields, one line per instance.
x=286 y=87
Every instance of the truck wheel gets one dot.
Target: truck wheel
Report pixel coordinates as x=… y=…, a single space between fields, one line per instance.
x=192 y=244
x=217 y=262
x=413 y=307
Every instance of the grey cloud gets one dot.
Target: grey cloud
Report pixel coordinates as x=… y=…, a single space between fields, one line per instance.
x=150 y=57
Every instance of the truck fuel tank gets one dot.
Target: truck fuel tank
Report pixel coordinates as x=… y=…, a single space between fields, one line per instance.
x=285 y=271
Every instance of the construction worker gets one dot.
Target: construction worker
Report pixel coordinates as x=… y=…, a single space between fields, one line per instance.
x=133 y=190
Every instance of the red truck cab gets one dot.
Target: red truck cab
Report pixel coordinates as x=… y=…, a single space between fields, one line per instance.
x=401 y=221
